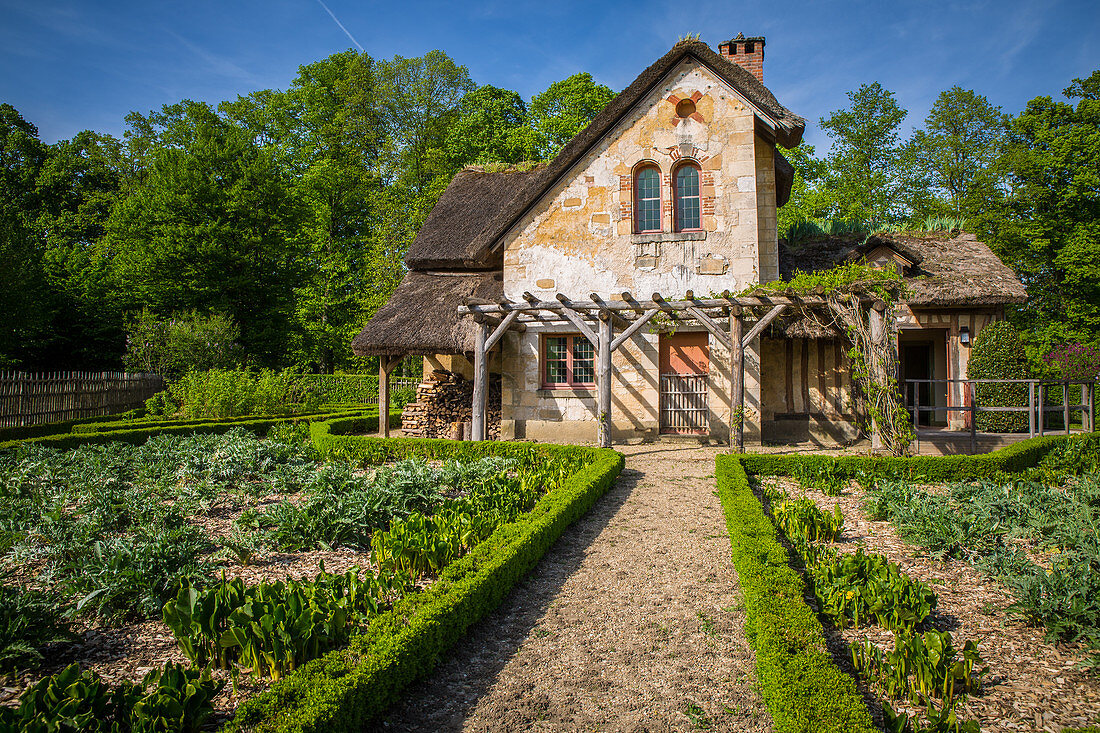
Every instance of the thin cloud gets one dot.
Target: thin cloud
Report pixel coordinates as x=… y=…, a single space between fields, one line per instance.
x=345 y=30
x=215 y=62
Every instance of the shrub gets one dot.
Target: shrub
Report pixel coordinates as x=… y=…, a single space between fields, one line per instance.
x=181 y=343
x=1074 y=361
x=999 y=353
x=220 y=393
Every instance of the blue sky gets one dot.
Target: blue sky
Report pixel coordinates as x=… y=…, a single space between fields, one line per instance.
x=69 y=66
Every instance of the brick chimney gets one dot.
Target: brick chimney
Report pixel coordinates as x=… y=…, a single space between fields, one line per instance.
x=748 y=53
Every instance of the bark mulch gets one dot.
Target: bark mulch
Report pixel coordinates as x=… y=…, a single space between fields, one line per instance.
x=634 y=621
x=1032 y=685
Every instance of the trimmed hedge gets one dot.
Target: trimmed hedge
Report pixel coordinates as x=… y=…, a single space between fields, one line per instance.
x=22 y=432
x=1015 y=458
x=138 y=435
x=804 y=690
x=350 y=687
x=102 y=427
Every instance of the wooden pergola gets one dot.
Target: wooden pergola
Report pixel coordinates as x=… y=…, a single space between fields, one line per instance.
x=607 y=324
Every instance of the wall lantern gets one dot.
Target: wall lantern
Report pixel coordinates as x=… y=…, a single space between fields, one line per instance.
x=964 y=335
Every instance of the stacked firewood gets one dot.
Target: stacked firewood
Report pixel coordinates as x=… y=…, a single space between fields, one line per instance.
x=444 y=402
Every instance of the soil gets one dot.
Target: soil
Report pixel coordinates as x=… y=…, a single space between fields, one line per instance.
x=1032 y=685
x=634 y=621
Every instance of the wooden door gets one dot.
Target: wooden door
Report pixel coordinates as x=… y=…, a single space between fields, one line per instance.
x=684 y=362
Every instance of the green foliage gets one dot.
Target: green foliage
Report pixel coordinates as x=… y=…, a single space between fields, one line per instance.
x=921 y=666
x=802 y=519
x=346 y=689
x=823 y=477
x=29 y=622
x=802 y=686
x=274 y=628
x=181 y=343
x=840 y=278
x=220 y=393
x=171 y=698
x=566 y=108
x=998 y=353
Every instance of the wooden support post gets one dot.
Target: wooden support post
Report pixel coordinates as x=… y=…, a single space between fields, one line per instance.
x=1031 y=409
x=878 y=332
x=481 y=383
x=973 y=418
x=1065 y=404
x=603 y=380
x=1042 y=408
x=386 y=364
x=737 y=381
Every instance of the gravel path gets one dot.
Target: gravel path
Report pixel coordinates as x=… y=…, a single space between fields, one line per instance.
x=634 y=621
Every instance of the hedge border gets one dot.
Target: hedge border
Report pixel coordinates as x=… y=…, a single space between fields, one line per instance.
x=138 y=436
x=802 y=686
x=1011 y=459
x=23 y=432
x=104 y=427
x=349 y=687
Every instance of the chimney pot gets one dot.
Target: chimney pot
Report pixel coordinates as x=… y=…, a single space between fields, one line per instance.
x=748 y=53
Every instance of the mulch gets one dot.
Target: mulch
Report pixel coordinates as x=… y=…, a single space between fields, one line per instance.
x=1032 y=684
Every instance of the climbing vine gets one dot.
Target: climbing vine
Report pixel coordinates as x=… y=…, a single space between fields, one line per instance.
x=874 y=349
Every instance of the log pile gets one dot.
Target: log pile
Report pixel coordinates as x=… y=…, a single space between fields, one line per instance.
x=443 y=405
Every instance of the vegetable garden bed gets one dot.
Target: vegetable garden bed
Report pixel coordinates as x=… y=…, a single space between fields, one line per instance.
x=986 y=614
x=169 y=551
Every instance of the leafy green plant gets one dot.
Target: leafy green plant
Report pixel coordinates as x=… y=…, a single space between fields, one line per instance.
x=921 y=665
x=801 y=518
x=824 y=477
x=856 y=589
x=30 y=620
x=171 y=698
x=218 y=393
x=272 y=628
x=999 y=353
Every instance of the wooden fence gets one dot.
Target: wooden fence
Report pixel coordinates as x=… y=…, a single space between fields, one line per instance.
x=35 y=398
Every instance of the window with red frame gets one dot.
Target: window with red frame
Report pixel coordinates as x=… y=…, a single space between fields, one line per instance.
x=686 y=198
x=647 y=199
x=568 y=360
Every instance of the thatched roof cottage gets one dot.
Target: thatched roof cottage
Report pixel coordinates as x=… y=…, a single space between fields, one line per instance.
x=543 y=275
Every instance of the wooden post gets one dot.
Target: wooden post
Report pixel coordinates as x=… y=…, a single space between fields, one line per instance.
x=386 y=364
x=1041 y=406
x=1065 y=404
x=1031 y=409
x=737 y=382
x=481 y=383
x=603 y=380
x=878 y=330
x=971 y=392
x=916 y=424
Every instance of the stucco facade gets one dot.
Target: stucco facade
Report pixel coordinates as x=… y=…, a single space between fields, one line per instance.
x=580 y=239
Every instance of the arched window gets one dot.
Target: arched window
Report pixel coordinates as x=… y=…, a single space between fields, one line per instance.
x=685 y=196
x=647 y=199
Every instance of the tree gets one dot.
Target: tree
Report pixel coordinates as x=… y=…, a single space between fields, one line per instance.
x=866 y=157
x=809 y=201
x=24 y=297
x=78 y=185
x=961 y=141
x=564 y=109
x=491 y=126
x=1048 y=230
x=211 y=225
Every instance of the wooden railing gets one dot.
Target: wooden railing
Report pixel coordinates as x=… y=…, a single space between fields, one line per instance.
x=35 y=398
x=1036 y=408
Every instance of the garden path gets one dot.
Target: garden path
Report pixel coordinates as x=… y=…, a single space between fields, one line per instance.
x=633 y=621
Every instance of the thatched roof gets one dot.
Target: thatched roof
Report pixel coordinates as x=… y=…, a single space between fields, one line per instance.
x=421 y=317
x=949 y=270
x=465 y=209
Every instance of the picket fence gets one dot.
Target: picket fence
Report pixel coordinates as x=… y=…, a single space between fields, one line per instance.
x=33 y=398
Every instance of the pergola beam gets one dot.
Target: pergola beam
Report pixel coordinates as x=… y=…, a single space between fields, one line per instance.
x=762 y=324
x=563 y=303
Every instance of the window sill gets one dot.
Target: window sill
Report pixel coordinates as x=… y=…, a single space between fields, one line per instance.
x=695 y=236
x=575 y=392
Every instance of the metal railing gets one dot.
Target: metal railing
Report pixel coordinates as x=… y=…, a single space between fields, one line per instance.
x=1038 y=394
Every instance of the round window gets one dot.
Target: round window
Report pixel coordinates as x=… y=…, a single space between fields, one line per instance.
x=685 y=108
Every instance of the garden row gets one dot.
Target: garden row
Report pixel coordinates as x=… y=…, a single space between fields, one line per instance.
x=930 y=672
x=118 y=532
